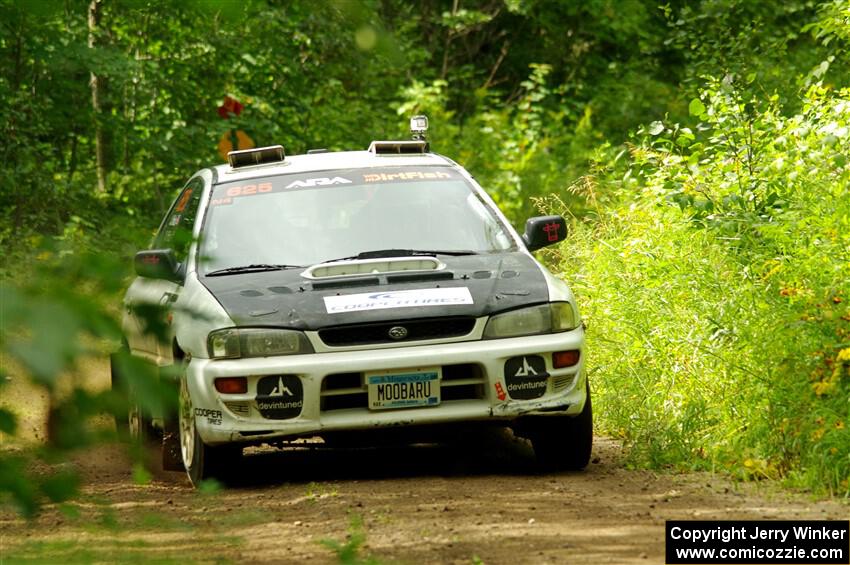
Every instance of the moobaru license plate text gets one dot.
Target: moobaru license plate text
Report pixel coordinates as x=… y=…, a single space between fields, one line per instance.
x=404 y=390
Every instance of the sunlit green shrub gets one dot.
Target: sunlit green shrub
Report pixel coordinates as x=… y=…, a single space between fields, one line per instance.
x=51 y=322
x=717 y=291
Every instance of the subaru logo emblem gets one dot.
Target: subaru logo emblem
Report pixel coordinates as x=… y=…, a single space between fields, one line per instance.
x=398 y=332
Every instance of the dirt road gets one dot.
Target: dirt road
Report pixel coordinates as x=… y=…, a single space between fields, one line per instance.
x=479 y=500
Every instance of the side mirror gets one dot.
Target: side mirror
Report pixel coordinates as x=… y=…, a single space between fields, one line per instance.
x=544 y=230
x=156 y=264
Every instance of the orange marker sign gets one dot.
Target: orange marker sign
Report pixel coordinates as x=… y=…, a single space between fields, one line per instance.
x=235 y=139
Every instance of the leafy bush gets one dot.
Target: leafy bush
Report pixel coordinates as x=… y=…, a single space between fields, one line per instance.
x=717 y=290
x=63 y=314
x=711 y=256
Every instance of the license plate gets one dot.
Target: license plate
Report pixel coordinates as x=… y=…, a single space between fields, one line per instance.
x=404 y=388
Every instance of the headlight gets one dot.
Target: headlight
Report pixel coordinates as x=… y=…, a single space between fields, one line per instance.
x=231 y=343
x=546 y=318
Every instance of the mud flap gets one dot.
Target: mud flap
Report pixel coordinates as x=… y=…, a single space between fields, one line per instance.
x=172 y=456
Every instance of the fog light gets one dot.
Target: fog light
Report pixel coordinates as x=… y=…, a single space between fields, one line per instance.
x=232 y=385
x=562 y=359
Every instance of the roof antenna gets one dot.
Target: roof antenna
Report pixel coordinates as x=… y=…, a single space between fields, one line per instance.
x=418 y=129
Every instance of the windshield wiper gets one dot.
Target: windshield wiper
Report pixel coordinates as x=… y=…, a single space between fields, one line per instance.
x=387 y=253
x=254 y=268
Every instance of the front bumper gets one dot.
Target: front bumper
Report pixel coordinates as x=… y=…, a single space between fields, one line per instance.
x=474 y=388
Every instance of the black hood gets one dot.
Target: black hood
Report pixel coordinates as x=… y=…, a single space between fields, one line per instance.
x=496 y=282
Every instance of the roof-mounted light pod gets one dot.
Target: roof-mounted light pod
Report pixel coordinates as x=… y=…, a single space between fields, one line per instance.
x=398 y=147
x=419 y=144
x=419 y=127
x=257 y=156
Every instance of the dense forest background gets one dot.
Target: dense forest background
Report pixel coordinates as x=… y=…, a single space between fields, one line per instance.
x=699 y=149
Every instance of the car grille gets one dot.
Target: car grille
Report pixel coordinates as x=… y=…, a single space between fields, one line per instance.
x=429 y=328
x=341 y=391
x=562 y=382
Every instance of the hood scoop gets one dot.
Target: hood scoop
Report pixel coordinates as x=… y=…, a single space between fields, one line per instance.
x=296 y=298
x=361 y=267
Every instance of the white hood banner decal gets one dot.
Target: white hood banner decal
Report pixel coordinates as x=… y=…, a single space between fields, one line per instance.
x=398 y=299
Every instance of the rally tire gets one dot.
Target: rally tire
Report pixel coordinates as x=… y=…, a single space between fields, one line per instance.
x=139 y=427
x=172 y=455
x=202 y=462
x=119 y=386
x=564 y=443
x=131 y=422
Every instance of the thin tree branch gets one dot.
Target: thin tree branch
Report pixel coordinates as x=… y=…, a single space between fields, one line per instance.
x=505 y=46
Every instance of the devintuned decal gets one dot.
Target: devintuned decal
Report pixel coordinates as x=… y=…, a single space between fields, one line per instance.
x=526 y=376
x=397 y=299
x=280 y=397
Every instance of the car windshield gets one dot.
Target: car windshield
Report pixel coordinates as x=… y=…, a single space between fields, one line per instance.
x=309 y=218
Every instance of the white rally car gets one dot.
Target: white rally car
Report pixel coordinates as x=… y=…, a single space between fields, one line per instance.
x=332 y=292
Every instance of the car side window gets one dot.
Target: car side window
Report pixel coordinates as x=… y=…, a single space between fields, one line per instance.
x=176 y=231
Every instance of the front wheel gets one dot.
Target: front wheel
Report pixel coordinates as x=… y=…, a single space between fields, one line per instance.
x=564 y=442
x=202 y=462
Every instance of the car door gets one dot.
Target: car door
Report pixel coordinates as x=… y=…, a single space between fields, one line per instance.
x=147 y=327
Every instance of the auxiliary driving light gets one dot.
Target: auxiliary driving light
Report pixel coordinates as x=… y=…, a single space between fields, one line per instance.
x=419 y=124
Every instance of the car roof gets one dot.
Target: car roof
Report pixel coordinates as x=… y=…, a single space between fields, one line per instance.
x=316 y=162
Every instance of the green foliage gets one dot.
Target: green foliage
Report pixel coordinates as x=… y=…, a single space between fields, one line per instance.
x=716 y=290
x=141 y=476
x=49 y=323
x=8 y=422
x=710 y=244
x=209 y=487
x=348 y=552
x=113 y=549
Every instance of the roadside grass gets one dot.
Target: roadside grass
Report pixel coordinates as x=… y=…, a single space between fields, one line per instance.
x=240 y=517
x=26 y=401
x=104 y=534
x=143 y=520
x=347 y=552
x=716 y=289
x=315 y=491
x=72 y=551
x=700 y=365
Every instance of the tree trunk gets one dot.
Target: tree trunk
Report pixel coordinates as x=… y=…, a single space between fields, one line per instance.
x=96 y=96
